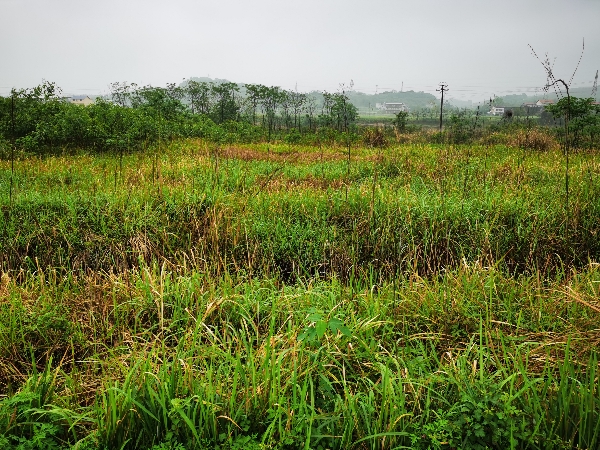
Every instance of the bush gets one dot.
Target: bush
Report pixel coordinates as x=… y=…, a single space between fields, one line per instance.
x=374 y=137
x=534 y=139
x=401 y=121
x=495 y=138
x=293 y=137
x=460 y=128
x=5 y=152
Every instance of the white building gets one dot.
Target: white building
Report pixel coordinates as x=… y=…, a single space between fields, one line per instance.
x=544 y=102
x=497 y=110
x=392 y=108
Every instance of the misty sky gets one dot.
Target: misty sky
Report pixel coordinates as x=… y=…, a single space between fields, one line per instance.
x=478 y=47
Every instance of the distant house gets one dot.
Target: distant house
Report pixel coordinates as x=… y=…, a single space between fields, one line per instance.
x=543 y=103
x=80 y=100
x=392 y=108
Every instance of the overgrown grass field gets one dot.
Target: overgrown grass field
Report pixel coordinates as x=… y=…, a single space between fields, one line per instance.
x=195 y=296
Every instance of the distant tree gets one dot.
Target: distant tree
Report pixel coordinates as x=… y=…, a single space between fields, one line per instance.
x=285 y=102
x=400 y=121
x=297 y=100
x=573 y=108
x=310 y=106
x=163 y=102
x=343 y=112
x=225 y=107
x=270 y=99
x=327 y=108
x=254 y=92
x=199 y=96
x=120 y=93
x=337 y=111
x=582 y=114
x=34 y=111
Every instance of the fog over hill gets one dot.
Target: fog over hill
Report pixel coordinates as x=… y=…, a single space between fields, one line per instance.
x=419 y=99
x=359 y=99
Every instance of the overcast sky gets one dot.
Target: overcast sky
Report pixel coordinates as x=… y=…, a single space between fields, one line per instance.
x=478 y=47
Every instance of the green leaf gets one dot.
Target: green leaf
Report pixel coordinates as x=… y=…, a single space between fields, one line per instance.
x=336 y=325
x=315 y=317
x=321 y=328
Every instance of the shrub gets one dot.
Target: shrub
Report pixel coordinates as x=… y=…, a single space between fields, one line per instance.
x=293 y=137
x=374 y=137
x=495 y=138
x=534 y=139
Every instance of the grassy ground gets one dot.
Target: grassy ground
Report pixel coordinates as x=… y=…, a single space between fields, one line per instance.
x=281 y=297
x=288 y=212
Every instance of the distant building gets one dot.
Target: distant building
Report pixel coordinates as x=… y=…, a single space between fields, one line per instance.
x=543 y=103
x=80 y=100
x=498 y=110
x=392 y=108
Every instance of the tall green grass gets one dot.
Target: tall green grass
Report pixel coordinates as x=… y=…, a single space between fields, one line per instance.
x=291 y=213
x=237 y=297
x=154 y=358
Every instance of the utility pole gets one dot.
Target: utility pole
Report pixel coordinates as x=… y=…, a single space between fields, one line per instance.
x=12 y=145
x=443 y=88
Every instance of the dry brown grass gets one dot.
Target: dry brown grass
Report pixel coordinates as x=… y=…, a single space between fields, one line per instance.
x=249 y=154
x=533 y=139
x=421 y=137
x=282 y=183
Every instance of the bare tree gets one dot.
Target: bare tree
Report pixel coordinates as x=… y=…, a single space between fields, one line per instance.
x=553 y=82
x=120 y=93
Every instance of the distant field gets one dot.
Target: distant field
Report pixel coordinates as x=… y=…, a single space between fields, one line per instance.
x=195 y=296
x=426 y=122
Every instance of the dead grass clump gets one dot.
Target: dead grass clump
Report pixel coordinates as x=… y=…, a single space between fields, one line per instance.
x=282 y=183
x=503 y=172
x=412 y=138
x=374 y=137
x=4 y=282
x=534 y=139
x=247 y=154
x=135 y=178
x=495 y=139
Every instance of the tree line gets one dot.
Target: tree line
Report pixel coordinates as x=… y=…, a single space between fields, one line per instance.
x=40 y=118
